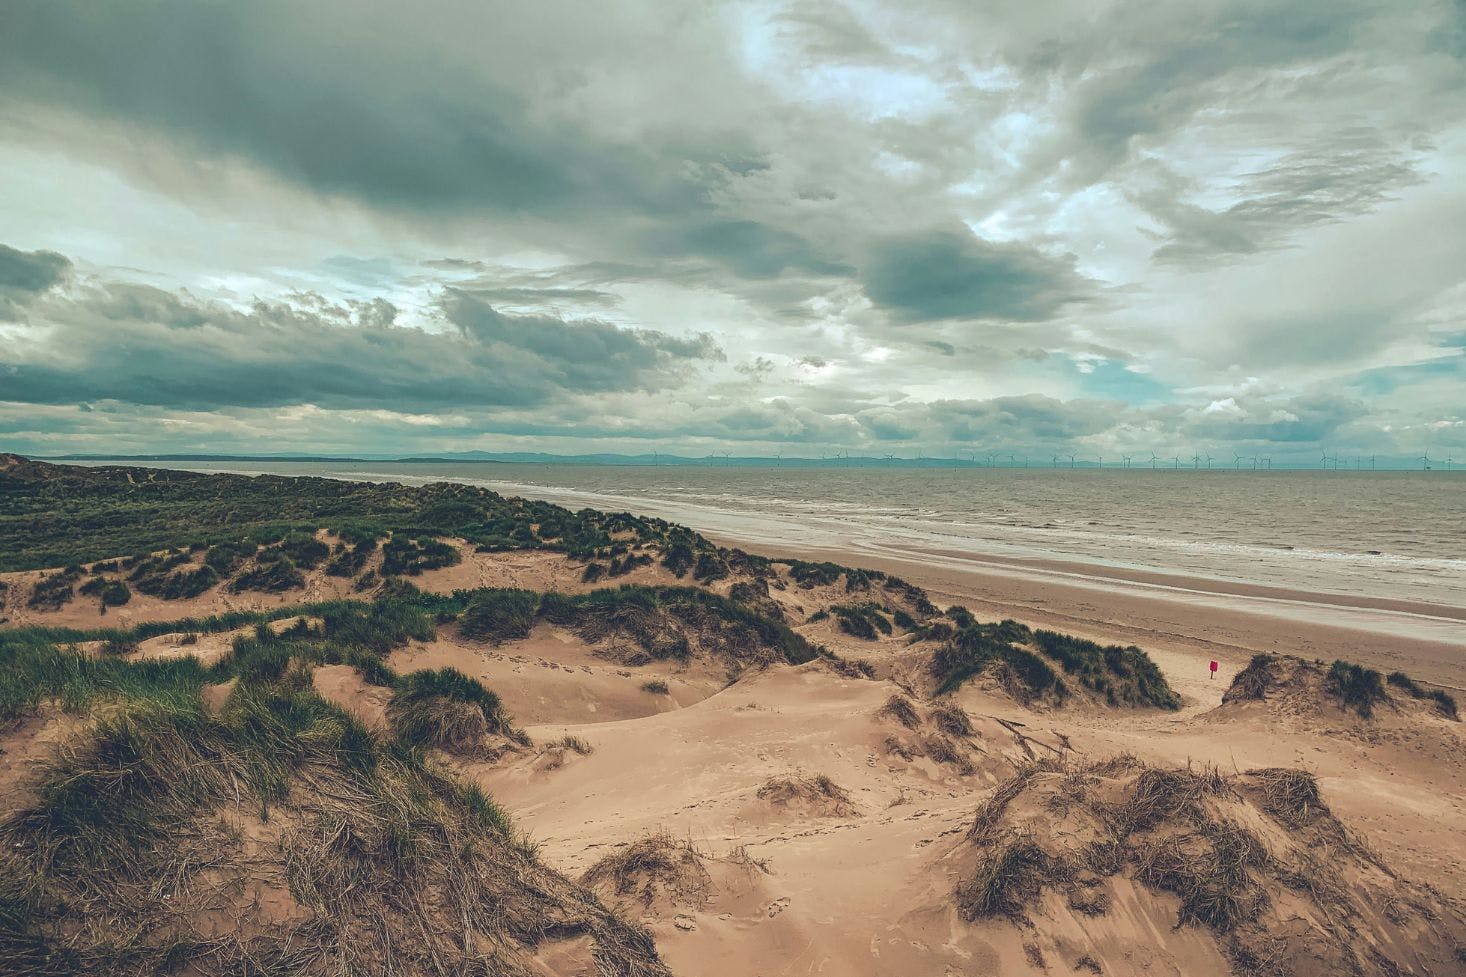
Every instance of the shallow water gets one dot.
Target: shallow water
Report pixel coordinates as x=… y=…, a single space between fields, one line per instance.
x=1399 y=535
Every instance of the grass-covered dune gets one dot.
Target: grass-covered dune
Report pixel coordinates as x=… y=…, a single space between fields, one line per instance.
x=219 y=814
x=62 y=515
x=271 y=834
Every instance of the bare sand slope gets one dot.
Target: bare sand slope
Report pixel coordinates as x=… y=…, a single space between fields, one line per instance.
x=860 y=881
x=554 y=677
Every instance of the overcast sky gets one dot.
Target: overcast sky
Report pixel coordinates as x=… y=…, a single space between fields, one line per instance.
x=271 y=226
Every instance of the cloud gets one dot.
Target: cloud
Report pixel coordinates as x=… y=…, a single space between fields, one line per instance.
x=750 y=249
x=1354 y=174
x=946 y=274
x=135 y=344
x=940 y=223
x=25 y=274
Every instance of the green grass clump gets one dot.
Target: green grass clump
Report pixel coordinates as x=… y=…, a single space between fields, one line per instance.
x=1356 y=687
x=447 y=709
x=411 y=556
x=499 y=615
x=658 y=620
x=862 y=620
x=1034 y=677
x=709 y=567
x=181 y=584
x=972 y=649
x=809 y=575
x=52 y=592
x=1123 y=675
x=1444 y=702
x=34 y=670
x=99 y=870
x=115 y=594
x=679 y=557
x=272 y=577
x=225 y=558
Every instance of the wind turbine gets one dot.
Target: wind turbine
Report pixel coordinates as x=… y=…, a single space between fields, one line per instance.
x=1208 y=462
x=1324 y=461
x=1071 y=461
x=1195 y=462
x=1127 y=460
x=1425 y=462
x=1269 y=463
x=1056 y=461
x=1236 y=460
x=1153 y=459
x=1176 y=462
x=778 y=458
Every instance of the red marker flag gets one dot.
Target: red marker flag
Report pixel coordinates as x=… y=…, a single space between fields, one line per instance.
x=1213 y=669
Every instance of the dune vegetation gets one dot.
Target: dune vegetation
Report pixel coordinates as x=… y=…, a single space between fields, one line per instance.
x=262 y=726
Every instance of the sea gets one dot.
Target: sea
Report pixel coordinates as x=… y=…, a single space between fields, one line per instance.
x=1395 y=536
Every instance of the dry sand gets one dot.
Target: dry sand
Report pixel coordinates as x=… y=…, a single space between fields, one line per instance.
x=860 y=881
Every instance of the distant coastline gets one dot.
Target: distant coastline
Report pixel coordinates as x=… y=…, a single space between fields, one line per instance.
x=747 y=461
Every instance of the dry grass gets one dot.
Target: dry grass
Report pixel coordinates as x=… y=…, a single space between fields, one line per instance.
x=1254 y=681
x=943 y=750
x=901 y=709
x=952 y=719
x=657 y=865
x=819 y=793
x=1290 y=795
x=147 y=835
x=1007 y=879
x=572 y=743
x=1226 y=847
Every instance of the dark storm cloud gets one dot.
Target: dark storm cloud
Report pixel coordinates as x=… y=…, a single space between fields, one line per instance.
x=30 y=271
x=947 y=274
x=289 y=89
x=144 y=346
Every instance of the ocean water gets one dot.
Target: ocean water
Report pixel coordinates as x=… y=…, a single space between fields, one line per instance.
x=1382 y=535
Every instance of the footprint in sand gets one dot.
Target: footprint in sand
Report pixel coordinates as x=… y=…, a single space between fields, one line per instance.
x=778 y=906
